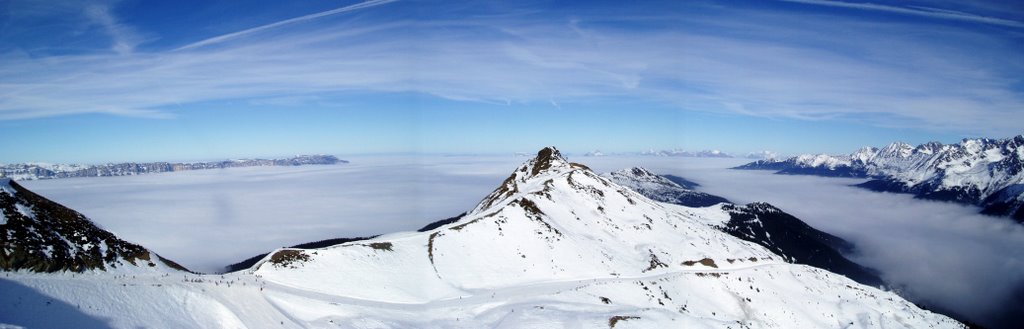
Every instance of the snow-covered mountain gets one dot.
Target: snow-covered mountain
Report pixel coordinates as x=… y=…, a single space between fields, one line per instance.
x=555 y=245
x=662 y=189
x=760 y=223
x=766 y=155
x=32 y=171
x=984 y=172
x=39 y=235
x=594 y=153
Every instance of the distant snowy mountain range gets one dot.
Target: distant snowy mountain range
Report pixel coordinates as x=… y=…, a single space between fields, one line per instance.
x=33 y=171
x=555 y=245
x=683 y=153
x=984 y=172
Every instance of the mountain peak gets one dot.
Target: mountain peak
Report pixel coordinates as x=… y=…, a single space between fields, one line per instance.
x=547 y=158
x=897 y=149
x=548 y=162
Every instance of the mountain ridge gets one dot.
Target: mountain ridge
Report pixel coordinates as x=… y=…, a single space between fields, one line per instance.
x=988 y=173
x=36 y=171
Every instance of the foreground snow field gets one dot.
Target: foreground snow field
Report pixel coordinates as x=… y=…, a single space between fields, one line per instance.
x=780 y=296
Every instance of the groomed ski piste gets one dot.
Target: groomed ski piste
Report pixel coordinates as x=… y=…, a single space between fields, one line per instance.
x=554 y=246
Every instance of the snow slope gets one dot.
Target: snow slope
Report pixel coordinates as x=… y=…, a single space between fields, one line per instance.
x=760 y=223
x=554 y=246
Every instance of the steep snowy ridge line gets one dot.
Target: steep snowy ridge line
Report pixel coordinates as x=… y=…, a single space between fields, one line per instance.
x=985 y=172
x=556 y=245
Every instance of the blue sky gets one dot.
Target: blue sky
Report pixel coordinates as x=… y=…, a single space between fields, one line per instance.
x=97 y=81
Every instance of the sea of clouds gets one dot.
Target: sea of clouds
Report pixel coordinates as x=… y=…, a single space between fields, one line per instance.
x=943 y=255
x=207 y=219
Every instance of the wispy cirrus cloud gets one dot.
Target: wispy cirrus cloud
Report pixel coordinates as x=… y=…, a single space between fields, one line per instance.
x=229 y=36
x=916 y=11
x=123 y=38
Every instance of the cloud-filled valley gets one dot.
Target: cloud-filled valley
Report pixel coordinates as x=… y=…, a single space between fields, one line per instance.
x=208 y=219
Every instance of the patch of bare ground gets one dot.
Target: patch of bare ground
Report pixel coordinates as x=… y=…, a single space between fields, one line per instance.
x=706 y=262
x=612 y=321
x=288 y=258
x=381 y=246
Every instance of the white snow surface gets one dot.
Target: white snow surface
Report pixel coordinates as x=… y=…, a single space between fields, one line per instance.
x=823 y=160
x=555 y=247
